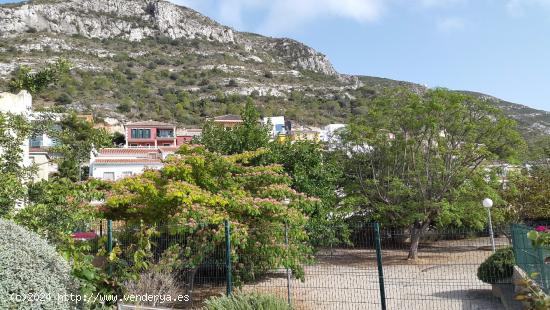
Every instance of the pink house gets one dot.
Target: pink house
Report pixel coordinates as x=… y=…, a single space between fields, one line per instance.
x=150 y=134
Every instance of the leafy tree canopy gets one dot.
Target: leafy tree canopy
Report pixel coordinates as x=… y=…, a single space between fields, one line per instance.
x=248 y=136
x=317 y=173
x=197 y=190
x=528 y=194
x=412 y=152
x=35 y=82
x=14 y=130
x=76 y=138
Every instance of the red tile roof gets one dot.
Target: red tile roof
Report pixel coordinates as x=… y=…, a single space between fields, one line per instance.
x=127 y=151
x=168 y=148
x=228 y=118
x=38 y=150
x=145 y=161
x=150 y=123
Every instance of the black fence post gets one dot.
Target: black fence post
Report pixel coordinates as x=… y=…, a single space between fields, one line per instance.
x=110 y=243
x=380 y=266
x=228 y=275
x=100 y=228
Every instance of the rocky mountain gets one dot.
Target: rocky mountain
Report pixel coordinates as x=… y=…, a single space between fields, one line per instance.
x=152 y=59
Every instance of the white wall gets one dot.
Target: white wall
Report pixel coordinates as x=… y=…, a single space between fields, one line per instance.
x=20 y=104
x=97 y=170
x=16 y=104
x=329 y=133
x=45 y=166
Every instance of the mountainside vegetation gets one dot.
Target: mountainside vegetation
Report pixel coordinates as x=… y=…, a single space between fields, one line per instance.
x=155 y=60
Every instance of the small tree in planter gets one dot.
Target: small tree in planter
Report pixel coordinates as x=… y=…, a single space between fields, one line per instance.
x=497 y=268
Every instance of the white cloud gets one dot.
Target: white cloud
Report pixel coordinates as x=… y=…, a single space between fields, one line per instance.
x=439 y=3
x=288 y=14
x=518 y=7
x=280 y=16
x=451 y=24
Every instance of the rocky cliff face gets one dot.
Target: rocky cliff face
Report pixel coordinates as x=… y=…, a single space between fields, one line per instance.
x=135 y=20
x=132 y=20
x=151 y=59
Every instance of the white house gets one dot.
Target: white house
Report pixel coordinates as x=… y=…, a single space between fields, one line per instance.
x=44 y=161
x=277 y=125
x=39 y=147
x=329 y=133
x=116 y=163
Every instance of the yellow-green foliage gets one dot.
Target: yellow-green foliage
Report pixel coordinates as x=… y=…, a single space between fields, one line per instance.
x=197 y=190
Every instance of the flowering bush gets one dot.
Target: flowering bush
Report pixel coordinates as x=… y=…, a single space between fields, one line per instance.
x=32 y=274
x=540 y=236
x=197 y=190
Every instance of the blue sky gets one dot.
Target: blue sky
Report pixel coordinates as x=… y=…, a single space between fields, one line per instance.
x=499 y=47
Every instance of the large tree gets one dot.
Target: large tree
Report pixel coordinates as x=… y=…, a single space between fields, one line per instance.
x=197 y=190
x=251 y=135
x=14 y=130
x=312 y=169
x=412 y=151
x=315 y=172
x=528 y=194
x=35 y=82
x=76 y=138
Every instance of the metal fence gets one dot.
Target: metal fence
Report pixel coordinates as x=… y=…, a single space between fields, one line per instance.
x=368 y=269
x=531 y=259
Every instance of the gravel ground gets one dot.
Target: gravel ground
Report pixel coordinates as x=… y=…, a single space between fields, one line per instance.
x=443 y=277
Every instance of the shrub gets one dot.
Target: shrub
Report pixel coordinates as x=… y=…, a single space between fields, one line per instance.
x=156 y=283
x=29 y=265
x=497 y=267
x=232 y=83
x=250 y=301
x=531 y=295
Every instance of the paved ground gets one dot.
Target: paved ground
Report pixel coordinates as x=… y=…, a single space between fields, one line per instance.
x=444 y=277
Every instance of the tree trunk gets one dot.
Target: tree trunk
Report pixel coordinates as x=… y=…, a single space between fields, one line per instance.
x=417 y=229
x=190 y=282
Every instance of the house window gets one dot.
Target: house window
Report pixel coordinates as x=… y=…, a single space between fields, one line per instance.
x=279 y=128
x=36 y=141
x=165 y=133
x=126 y=174
x=141 y=133
x=109 y=176
x=166 y=144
